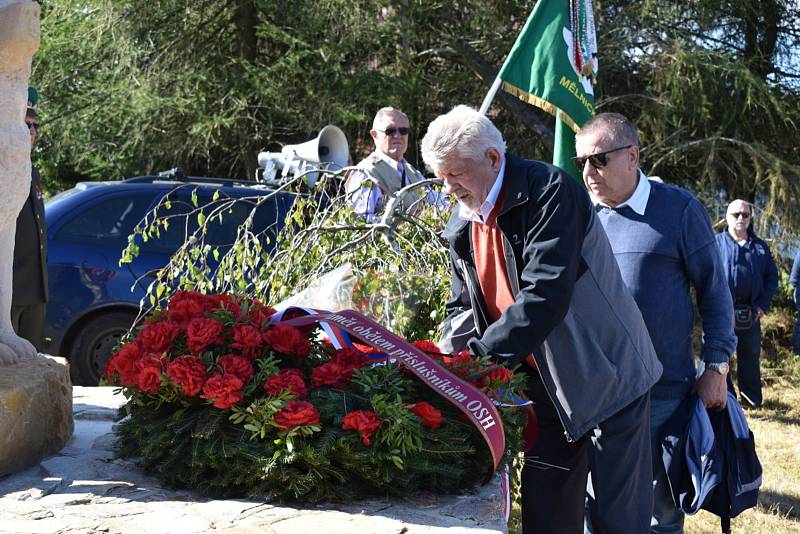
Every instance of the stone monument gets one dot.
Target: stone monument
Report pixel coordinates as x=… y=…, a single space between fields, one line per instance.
x=35 y=392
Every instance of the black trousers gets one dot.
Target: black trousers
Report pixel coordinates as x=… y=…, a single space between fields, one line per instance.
x=617 y=453
x=28 y=322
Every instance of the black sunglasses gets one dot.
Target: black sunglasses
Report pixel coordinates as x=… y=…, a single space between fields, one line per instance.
x=391 y=131
x=33 y=125
x=742 y=214
x=598 y=161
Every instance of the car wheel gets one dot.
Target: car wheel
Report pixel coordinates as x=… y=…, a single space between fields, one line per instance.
x=94 y=344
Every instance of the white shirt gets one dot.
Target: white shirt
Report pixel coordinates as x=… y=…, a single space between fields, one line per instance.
x=638 y=199
x=482 y=213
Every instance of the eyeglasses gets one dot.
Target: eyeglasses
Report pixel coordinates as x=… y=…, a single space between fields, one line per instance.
x=742 y=214
x=599 y=160
x=391 y=131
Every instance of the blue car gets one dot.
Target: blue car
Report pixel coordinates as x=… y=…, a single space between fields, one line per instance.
x=93 y=300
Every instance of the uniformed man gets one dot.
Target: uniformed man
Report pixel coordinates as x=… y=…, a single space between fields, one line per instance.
x=29 y=293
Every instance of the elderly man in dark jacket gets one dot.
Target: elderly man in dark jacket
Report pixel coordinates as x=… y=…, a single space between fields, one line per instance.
x=534 y=280
x=752 y=279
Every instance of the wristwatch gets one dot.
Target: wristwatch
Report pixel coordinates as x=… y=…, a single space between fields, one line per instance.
x=721 y=368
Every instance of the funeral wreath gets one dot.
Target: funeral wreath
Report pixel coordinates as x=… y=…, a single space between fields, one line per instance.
x=228 y=398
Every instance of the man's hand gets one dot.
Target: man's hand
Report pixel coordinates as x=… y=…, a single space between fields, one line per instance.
x=712 y=389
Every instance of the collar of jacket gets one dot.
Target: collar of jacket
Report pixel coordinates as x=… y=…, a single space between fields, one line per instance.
x=516 y=193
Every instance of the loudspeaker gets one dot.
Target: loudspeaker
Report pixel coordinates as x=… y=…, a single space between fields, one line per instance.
x=329 y=150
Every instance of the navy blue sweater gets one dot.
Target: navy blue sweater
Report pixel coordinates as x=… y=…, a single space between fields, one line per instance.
x=662 y=254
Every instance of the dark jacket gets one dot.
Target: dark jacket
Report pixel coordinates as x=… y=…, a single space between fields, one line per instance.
x=765 y=274
x=572 y=309
x=30 y=249
x=710 y=459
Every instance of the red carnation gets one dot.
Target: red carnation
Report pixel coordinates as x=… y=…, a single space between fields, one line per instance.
x=202 y=333
x=158 y=336
x=430 y=415
x=331 y=374
x=362 y=421
x=188 y=373
x=183 y=295
x=502 y=375
x=287 y=340
x=148 y=374
x=428 y=346
x=123 y=363
x=225 y=302
x=223 y=390
x=246 y=339
x=350 y=358
x=461 y=364
x=258 y=313
x=286 y=379
x=297 y=413
x=236 y=365
x=184 y=307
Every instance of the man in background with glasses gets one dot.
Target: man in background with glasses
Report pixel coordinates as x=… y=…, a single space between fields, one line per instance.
x=752 y=280
x=662 y=240
x=29 y=293
x=386 y=170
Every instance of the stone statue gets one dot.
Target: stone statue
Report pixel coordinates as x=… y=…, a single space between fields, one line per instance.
x=19 y=39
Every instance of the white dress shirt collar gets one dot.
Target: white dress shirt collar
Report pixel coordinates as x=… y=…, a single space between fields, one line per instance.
x=638 y=199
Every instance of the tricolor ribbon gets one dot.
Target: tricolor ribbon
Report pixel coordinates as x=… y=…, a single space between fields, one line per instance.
x=478 y=408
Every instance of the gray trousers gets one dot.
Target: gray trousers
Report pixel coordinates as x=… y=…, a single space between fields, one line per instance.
x=618 y=455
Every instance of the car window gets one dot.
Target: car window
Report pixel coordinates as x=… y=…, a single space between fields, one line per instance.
x=106 y=223
x=219 y=233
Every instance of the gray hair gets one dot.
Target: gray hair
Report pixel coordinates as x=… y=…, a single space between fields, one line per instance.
x=385 y=112
x=463 y=132
x=614 y=126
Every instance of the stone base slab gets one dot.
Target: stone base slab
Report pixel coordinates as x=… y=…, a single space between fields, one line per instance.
x=35 y=411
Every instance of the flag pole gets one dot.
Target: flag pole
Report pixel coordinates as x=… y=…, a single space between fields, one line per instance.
x=490 y=95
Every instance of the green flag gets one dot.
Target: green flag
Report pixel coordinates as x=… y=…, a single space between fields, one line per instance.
x=552 y=66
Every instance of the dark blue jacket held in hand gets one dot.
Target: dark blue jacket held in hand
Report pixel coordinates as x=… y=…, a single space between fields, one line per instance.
x=710 y=459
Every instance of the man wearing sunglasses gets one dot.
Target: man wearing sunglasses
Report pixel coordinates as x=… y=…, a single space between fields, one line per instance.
x=534 y=281
x=386 y=170
x=29 y=293
x=752 y=279
x=662 y=240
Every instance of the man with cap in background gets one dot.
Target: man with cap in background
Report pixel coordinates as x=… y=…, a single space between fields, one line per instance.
x=29 y=293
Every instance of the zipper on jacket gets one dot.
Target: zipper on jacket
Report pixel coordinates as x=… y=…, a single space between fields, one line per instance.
x=481 y=320
x=511 y=271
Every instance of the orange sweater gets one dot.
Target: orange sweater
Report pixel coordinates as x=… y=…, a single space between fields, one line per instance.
x=490 y=263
